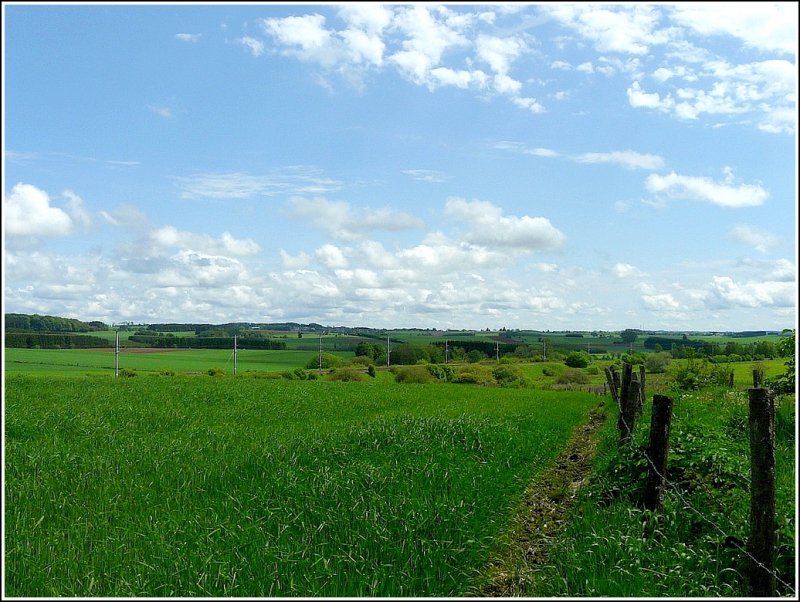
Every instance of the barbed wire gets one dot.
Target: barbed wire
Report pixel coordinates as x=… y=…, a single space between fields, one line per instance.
x=728 y=537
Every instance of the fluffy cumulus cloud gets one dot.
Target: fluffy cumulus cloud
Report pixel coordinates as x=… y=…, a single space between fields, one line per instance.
x=725 y=292
x=632 y=28
x=28 y=211
x=488 y=226
x=768 y=26
x=169 y=236
x=417 y=41
x=759 y=239
x=724 y=194
x=341 y=221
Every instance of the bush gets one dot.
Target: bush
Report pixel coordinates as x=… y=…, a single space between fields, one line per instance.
x=476 y=375
x=657 y=363
x=167 y=373
x=216 y=372
x=346 y=374
x=359 y=360
x=549 y=371
x=127 y=372
x=441 y=371
x=414 y=374
x=577 y=359
x=371 y=370
x=298 y=374
x=509 y=376
x=697 y=374
x=328 y=361
x=572 y=376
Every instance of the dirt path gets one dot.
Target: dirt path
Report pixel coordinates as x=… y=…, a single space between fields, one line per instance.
x=541 y=516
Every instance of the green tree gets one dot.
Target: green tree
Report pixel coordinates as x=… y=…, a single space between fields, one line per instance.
x=629 y=335
x=577 y=359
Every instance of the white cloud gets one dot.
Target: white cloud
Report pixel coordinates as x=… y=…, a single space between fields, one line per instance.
x=677 y=186
x=427 y=175
x=188 y=37
x=256 y=47
x=27 y=212
x=295 y=262
x=169 y=236
x=628 y=29
x=161 y=111
x=725 y=292
x=649 y=100
x=759 y=239
x=237 y=185
x=628 y=159
x=77 y=210
x=625 y=270
x=343 y=222
x=488 y=226
x=499 y=53
x=331 y=256
x=767 y=26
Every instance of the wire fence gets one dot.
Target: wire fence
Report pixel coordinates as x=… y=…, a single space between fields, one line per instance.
x=687 y=504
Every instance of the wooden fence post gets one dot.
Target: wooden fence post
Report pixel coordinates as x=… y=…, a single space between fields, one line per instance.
x=642 y=394
x=660 y=422
x=758 y=377
x=761 y=544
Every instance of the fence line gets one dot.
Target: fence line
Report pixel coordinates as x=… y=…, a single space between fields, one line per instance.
x=728 y=537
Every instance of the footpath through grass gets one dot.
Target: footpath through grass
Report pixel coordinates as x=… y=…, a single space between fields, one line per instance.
x=170 y=486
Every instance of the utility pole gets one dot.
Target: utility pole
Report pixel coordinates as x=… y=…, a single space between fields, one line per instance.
x=497 y=351
x=388 y=350
x=544 y=349
x=234 y=355
x=116 y=354
x=445 y=351
x=320 y=353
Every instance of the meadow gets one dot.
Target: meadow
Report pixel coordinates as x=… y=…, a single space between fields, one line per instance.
x=199 y=486
x=89 y=361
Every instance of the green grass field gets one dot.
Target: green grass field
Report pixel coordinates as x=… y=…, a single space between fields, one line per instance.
x=83 y=361
x=182 y=486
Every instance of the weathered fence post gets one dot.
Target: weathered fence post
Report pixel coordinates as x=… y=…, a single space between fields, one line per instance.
x=640 y=409
x=761 y=544
x=730 y=379
x=657 y=450
x=611 y=377
x=629 y=399
x=758 y=377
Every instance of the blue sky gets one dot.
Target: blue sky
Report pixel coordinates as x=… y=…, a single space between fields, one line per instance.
x=536 y=166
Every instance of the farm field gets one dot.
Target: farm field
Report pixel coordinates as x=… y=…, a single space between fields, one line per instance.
x=83 y=361
x=181 y=486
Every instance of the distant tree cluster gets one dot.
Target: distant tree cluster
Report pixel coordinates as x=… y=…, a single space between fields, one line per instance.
x=47 y=340
x=37 y=323
x=171 y=341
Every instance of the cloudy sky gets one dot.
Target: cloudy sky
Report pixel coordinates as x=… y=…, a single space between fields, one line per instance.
x=537 y=166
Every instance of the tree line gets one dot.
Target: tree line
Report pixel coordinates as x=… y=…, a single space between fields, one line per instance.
x=37 y=323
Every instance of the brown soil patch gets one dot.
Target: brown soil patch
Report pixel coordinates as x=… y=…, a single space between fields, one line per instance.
x=542 y=514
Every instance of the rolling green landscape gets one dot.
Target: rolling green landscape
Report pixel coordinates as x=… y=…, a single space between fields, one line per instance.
x=417 y=479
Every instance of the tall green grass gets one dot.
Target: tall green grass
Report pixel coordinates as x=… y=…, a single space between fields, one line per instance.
x=613 y=547
x=237 y=487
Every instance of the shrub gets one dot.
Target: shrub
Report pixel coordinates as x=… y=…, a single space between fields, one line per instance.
x=216 y=372
x=476 y=375
x=441 y=371
x=657 y=363
x=328 y=361
x=414 y=374
x=572 y=376
x=360 y=360
x=549 y=371
x=577 y=359
x=127 y=372
x=167 y=373
x=371 y=370
x=346 y=374
x=509 y=376
x=298 y=374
